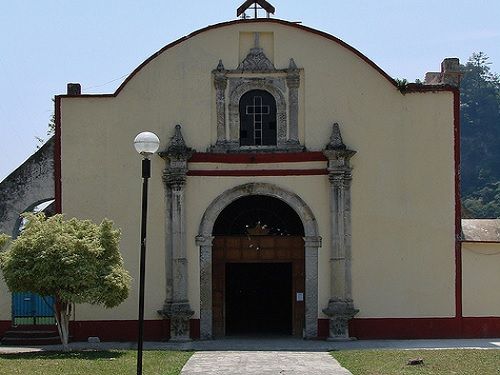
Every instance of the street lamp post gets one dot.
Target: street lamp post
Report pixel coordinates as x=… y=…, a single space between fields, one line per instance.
x=146 y=144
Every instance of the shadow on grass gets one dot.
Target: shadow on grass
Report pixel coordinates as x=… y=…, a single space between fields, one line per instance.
x=83 y=355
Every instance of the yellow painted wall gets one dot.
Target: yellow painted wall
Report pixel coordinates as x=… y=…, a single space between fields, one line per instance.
x=403 y=187
x=5 y=301
x=481 y=279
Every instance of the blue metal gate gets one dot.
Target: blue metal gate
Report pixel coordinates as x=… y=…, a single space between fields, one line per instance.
x=32 y=309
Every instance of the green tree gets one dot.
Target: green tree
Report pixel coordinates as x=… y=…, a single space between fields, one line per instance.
x=480 y=136
x=74 y=260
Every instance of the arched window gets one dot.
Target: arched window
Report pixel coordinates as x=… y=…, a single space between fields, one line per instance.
x=257 y=119
x=258 y=213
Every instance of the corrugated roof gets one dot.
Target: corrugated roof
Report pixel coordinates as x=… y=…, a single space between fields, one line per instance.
x=481 y=230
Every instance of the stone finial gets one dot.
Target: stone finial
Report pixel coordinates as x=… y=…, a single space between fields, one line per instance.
x=292 y=65
x=177 y=146
x=256 y=60
x=73 y=89
x=220 y=67
x=336 y=142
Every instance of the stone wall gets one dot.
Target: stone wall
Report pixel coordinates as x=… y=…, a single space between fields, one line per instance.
x=30 y=184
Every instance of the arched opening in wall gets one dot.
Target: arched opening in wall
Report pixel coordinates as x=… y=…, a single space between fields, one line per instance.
x=46 y=206
x=258 y=274
x=258 y=119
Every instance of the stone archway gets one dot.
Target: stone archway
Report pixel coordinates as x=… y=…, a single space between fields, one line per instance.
x=312 y=242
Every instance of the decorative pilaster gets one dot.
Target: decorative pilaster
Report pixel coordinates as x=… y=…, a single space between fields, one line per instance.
x=176 y=306
x=205 y=244
x=293 y=83
x=220 y=83
x=340 y=306
x=311 y=246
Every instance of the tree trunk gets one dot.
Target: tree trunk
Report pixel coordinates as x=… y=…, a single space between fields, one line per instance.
x=62 y=315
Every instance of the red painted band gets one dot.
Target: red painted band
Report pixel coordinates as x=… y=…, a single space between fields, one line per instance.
x=458 y=205
x=418 y=328
x=250 y=158
x=5 y=325
x=57 y=156
x=126 y=330
x=362 y=328
x=260 y=172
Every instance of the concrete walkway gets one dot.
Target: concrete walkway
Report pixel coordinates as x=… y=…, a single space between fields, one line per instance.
x=263 y=363
x=289 y=344
x=263 y=356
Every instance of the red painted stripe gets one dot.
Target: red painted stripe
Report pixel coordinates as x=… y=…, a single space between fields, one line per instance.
x=474 y=327
x=194 y=328
x=5 y=325
x=260 y=172
x=417 y=87
x=362 y=328
x=404 y=328
x=119 y=330
x=425 y=328
x=250 y=158
x=458 y=205
x=126 y=330
x=57 y=156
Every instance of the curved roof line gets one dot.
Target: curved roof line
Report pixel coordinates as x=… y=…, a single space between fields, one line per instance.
x=410 y=88
x=255 y=20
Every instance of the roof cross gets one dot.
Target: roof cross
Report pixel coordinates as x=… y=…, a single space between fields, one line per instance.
x=262 y=3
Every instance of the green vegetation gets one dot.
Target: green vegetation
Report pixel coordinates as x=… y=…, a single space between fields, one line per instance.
x=435 y=362
x=121 y=362
x=76 y=261
x=480 y=138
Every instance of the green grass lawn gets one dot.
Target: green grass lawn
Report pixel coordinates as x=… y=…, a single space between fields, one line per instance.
x=119 y=362
x=436 y=362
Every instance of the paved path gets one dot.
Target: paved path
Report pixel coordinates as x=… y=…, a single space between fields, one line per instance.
x=284 y=344
x=263 y=363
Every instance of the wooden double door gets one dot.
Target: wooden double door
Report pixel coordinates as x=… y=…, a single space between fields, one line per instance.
x=258 y=285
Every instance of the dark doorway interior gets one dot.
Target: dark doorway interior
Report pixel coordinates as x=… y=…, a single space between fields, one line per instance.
x=258 y=298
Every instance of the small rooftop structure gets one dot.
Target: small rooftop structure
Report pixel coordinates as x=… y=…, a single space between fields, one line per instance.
x=262 y=3
x=481 y=230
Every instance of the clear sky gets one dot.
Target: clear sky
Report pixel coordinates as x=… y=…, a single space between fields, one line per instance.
x=45 y=44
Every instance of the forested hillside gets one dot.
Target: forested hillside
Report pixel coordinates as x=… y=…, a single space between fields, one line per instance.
x=480 y=138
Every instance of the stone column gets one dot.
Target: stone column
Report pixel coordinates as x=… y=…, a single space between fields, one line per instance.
x=220 y=83
x=340 y=306
x=168 y=241
x=205 y=244
x=177 y=307
x=311 y=245
x=293 y=83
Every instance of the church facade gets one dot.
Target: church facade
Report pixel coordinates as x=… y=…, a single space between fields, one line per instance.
x=298 y=190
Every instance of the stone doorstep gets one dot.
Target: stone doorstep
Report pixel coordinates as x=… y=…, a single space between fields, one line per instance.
x=30 y=337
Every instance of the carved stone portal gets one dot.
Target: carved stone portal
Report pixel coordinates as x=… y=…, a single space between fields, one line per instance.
x=312 y=243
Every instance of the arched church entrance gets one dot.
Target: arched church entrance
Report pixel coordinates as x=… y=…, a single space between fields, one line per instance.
x=258 y=278
x=274 y=248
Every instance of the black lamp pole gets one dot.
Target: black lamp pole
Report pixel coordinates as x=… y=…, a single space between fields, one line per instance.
x=146 y=173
